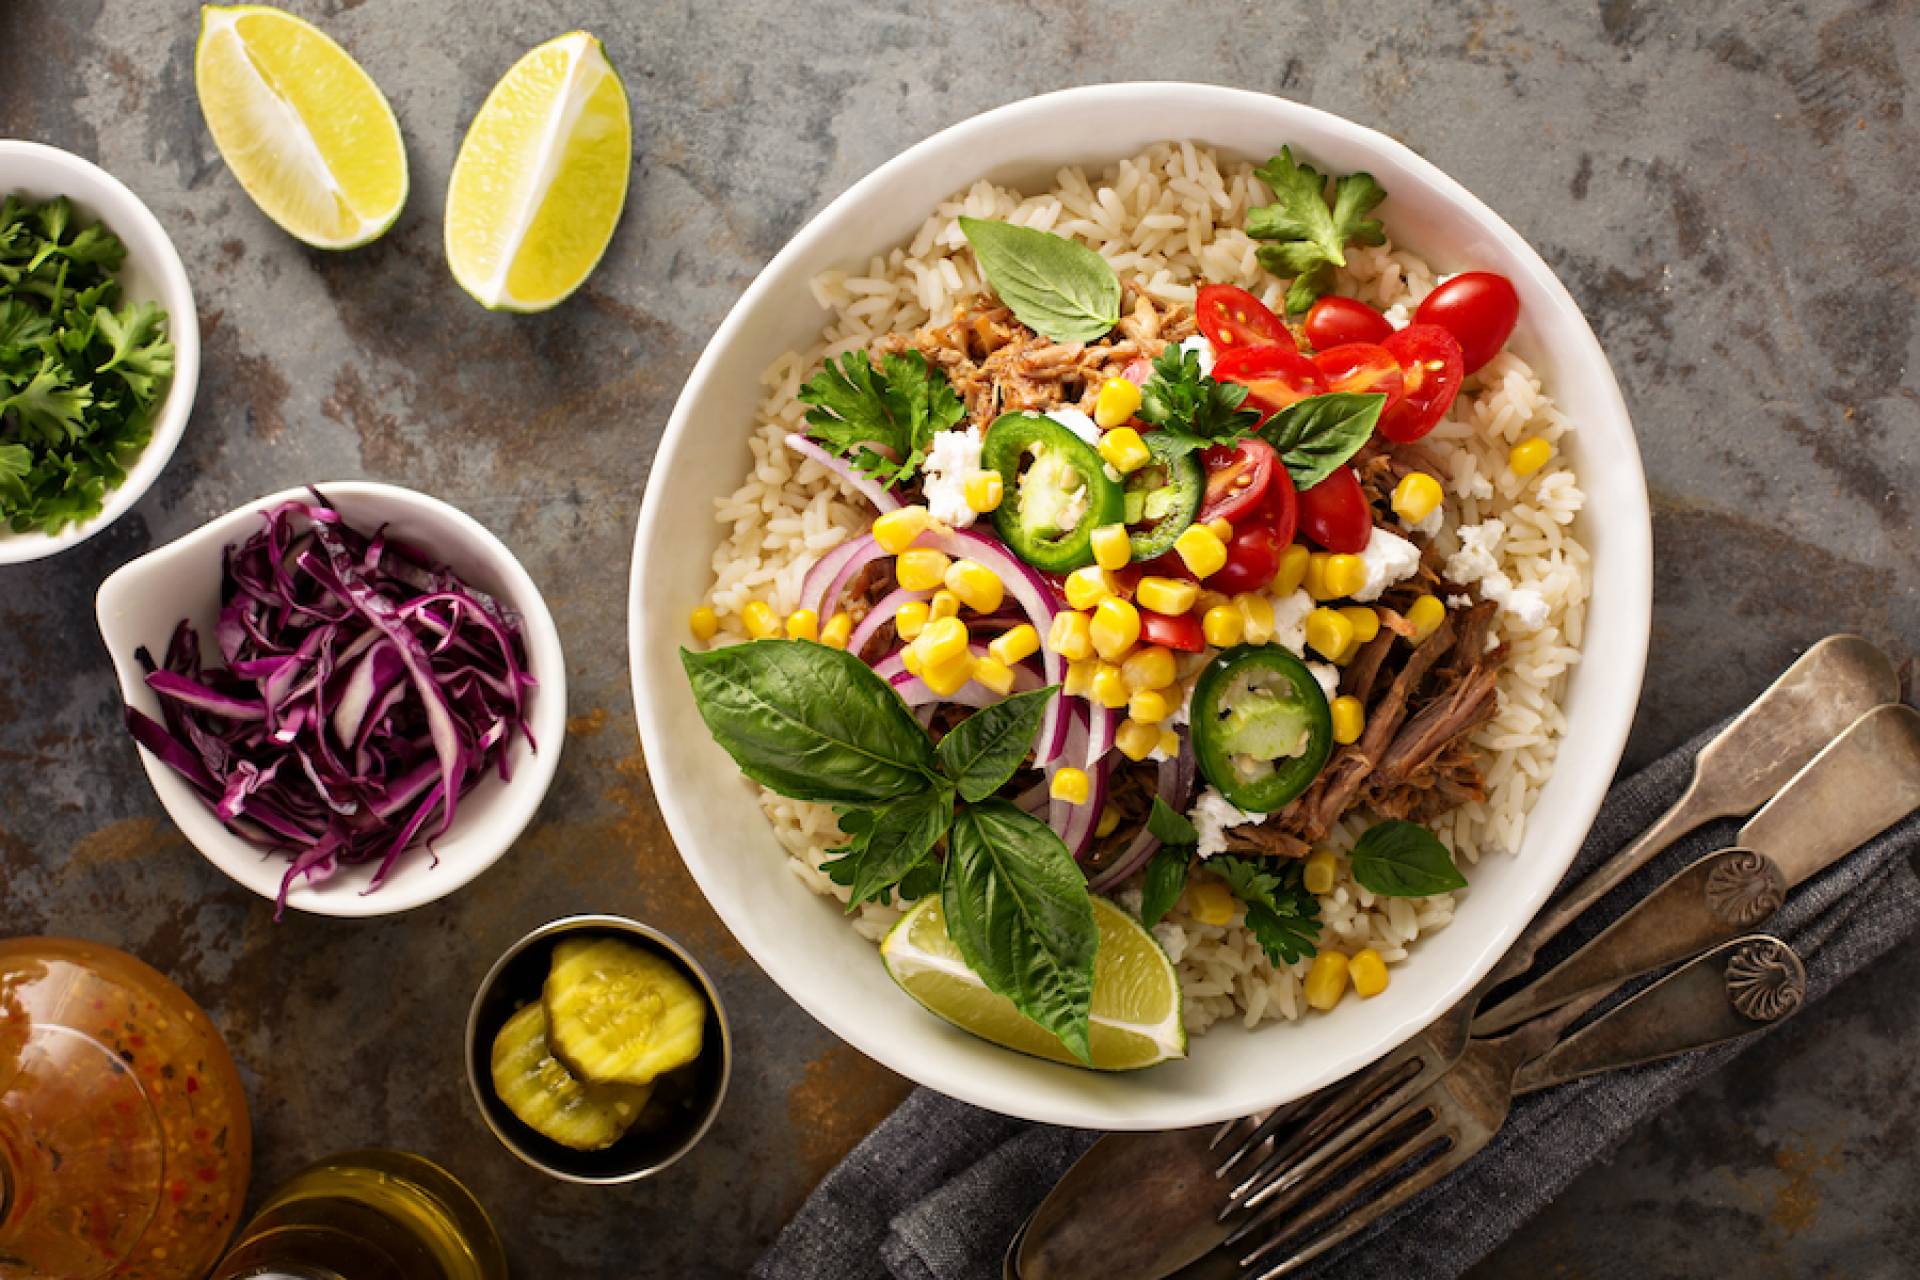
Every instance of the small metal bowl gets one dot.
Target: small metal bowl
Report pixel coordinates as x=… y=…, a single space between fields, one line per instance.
x=655 y=1142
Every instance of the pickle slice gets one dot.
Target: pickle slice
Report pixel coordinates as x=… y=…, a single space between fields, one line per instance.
x=617 y=1012
x=548 y=1099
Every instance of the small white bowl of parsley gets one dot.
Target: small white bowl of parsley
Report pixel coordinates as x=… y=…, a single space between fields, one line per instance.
x=99 y=350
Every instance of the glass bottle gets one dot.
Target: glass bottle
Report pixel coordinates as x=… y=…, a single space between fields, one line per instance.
x=124 y=1139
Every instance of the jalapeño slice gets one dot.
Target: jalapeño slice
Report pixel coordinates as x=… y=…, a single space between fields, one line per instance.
x=1262 y=730
x=1057 y=487
x=1162 y=497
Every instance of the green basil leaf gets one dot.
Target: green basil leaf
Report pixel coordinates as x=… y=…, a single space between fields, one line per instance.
x=1055 y=286
x=1404 y=860
x=983 y=750
x=1315 y=435
x=1166 y=877
x=1017 y=906
x=810 y=722
x=889 y=844
x=1169 y=825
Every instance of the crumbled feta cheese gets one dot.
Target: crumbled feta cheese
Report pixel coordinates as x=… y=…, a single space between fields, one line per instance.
x=1430 y=527
x=1398 y=316
x=1459 y=602
x=1328 y=676
x=1475 y=485
x=1525 y=606
x=953 y=456
x=1199 y=345
x=1389 y=558
x=1212 y=815
x=1476 y=562
x=1290 y=622
x=1078 y=423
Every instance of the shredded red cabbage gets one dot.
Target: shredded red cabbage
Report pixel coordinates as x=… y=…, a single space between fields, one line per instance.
x=365 y=691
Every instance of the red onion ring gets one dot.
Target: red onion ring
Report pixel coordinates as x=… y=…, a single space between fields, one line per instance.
x=914 y=692
x=870 y=489
x=1175 y=786
x=827 y=581
x=1075 y=823
x=878 y=616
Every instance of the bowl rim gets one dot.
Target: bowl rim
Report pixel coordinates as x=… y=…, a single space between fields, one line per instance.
x=522 y=796
x=96 y=187
x=1607 y=726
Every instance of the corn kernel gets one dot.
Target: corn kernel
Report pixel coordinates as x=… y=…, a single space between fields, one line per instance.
x=1369 y=973
x=1079 y=681
x=1223 y=626
x=1326 y=980
x=910 y=619
x=991 y=673
x=1124 y=450
x=1115 y=628
x=838 y=631
x=978 y=587
x=1119 y=399
x=803 y=624
x=1366 y=623
x=1328 y=634
x=1201 y=550
x=1221 y=529
x=1151 y=667
x=1292 y=572
x=1256 y=617
x=1529 y=456
x=1088 y=586
x=1069 y=784
x=1349 y=719
x=1166 y=595
x=1150 y=707
x=1208 y=599
x=1210 y=902
x=704 y=623
x=1425 y=616
x=910 y=659
x=1169 y=741
x=1345 y=575
x=920 y=568
x=1111 y=548
x=984 y=491
x=1071 y=635
x=761 y=624
x=1320 y=870
x=1348 y=654
x=1416 y=497
x=896 y=530
x=1316 y=578
x=943 y=640
x=1015 y=645
x=1109 y=822
x=1136 y=740
x=944 y=604
x=949 y=677
x=1107 y=688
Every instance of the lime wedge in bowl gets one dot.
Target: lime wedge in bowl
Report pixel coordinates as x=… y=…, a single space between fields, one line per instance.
x=541 y=177
x=304 y=128
x=1136 y=994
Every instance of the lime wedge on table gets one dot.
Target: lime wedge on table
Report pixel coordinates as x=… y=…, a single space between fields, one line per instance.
x=541 y=177
x=1136 y=994
x=305 y=129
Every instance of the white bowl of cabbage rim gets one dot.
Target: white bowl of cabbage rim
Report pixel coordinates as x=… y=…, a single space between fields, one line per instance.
x=801 y=939
x=142 y=602
x=151 y=273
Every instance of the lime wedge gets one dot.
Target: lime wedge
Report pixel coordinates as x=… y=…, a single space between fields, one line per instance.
x=306 y=131
x=541 y=177
x=1136 y=994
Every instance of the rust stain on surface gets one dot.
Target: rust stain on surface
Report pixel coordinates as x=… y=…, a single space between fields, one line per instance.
x=127 y=840
x=671 y=893
x=588 y=725
x=1797 y=1203
x=840 y=1097
x=384 y=447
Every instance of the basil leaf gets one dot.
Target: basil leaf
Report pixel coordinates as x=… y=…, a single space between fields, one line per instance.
x=1055 y=286
x=889 y=844
x=1169 y=825
x=1404 y=860
x=1316 y=435
x=1017 y=907
x=1166 y=877
x=810 y=722
x=983 y=750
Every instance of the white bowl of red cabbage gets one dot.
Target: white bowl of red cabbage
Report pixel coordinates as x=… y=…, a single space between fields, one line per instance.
x=311 y=677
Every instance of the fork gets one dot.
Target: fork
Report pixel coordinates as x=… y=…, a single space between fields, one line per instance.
x=1734 y=990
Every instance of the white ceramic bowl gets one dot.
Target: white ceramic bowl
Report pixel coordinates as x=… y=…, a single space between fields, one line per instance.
x=802 y=940
x=142 y=602
x=151 y=273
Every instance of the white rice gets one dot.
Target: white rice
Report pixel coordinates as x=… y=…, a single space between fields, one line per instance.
x=1172 y=217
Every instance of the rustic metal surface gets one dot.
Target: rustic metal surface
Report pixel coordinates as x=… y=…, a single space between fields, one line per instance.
x=1726 y=187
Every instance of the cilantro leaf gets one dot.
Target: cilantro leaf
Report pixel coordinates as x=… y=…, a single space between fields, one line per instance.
x=881 y=418
x=1283 y=916
x=1192 y=410
x=1166 y=877
x=140 y=353
x=1307 y=236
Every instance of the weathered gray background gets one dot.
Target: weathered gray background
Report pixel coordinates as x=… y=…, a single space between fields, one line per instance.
x=1726 y=188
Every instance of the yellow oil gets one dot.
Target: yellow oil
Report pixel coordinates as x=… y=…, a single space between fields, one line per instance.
x=368 y=1215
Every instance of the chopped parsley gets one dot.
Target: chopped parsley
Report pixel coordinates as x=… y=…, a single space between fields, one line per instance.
x=1307 y=237
x=1193 y=410
x=1284 y=917
x=882 y=419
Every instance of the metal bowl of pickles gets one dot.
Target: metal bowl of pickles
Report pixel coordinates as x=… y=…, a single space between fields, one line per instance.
x=598 y=1050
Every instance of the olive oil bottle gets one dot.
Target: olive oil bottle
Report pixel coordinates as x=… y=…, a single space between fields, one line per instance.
x=368 y=1215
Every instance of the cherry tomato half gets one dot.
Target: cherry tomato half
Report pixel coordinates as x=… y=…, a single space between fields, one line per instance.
x=1335 y=321
x=1274 y=377
x=1253 y=553
x=1479 y=308
x=1430 y=373
x=1335 y=515
x=1237 y=479
x=1231 y=317
x=1181 y=633
x=1361 y=367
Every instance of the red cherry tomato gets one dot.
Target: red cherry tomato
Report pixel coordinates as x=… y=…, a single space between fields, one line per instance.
x=1237 y=478
x=1479 y=308
x=1274 y=377
x=1335 y=321
x=1181 y=633
x=1361 y=367
x=1253 y=553
x=1335 y=515
x=1232 y=317
x=1430 y=373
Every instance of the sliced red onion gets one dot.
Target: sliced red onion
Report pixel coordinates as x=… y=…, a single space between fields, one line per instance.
x=914 y=692
x=881 y=614
x=869 y=488
x=1175 y=786
x=1075 y=823
x=818 y=585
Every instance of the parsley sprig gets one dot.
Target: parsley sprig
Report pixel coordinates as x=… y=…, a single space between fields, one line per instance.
x=1193 y=410
x=861 y=410
x=1284 y=917
x=1307 y=237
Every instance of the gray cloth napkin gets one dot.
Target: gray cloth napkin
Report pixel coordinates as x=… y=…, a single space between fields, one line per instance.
x=939 y=1188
